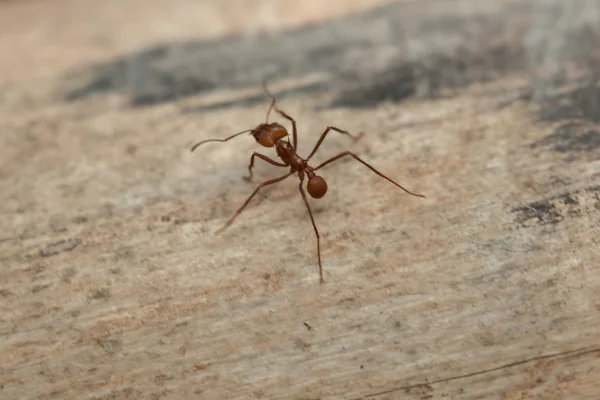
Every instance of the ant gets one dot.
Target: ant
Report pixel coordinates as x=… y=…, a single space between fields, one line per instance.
x=272 y=135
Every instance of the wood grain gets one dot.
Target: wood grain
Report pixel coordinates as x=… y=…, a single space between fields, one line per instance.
x=113 y=285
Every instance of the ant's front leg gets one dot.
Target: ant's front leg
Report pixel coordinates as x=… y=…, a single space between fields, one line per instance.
x=282 y=113
x=294 y=130
x=263 y=157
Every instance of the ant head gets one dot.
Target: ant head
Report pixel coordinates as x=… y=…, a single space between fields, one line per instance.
x=316 y=186
x=268 y=134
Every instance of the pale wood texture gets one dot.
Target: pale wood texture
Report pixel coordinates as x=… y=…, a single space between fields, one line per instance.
x=113 y=285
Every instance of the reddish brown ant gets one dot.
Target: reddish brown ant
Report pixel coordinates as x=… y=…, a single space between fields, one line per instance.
x=272 y=135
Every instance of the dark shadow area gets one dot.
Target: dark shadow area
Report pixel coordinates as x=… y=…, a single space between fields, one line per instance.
x=170 y=71
x=525 y=49
x=261 y=98
x=580 y=103
x=554 y=210
x=428 y=76
x=579 y=108
x=347 y=48
x=572 y=137
x=396 y=52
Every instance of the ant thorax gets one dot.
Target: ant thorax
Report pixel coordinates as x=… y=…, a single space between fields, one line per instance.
x=286 y=152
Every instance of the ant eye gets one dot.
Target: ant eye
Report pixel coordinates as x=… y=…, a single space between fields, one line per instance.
x=256 y=134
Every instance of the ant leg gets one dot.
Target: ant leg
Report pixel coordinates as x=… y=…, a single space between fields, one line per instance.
x=347 y=153
x=283 y=114
x=294 y=131
x=333 y=128
x=312 y=219
x=263 y=157
x=272 y=181
x=273 y=99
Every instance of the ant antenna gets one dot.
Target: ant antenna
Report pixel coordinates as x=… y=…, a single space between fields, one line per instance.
x=273 y=100
x=219 y=140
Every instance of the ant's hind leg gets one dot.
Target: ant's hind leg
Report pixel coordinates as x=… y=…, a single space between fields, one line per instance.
x=347 y=153
x=262 y=157
x=312 y=219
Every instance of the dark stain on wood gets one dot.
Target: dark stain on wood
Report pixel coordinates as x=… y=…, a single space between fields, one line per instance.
x=555 y=209
x=581 y=102
x=572 y=137
x=428 y=76
x=60 y=246
x=487 y=50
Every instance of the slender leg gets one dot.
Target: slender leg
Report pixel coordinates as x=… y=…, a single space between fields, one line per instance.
x=347 y=153
x=312 y=219
x=273 y=100
x=294 y=131
x=263 y=157
x=333 y=128
x=272 y=181
x=283 y=114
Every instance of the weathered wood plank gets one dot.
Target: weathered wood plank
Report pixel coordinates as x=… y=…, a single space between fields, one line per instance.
x=114 y=286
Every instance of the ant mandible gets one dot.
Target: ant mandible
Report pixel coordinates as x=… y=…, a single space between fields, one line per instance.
x=272 y=135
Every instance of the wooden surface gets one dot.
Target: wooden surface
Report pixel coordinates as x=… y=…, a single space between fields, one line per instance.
x=113 y=285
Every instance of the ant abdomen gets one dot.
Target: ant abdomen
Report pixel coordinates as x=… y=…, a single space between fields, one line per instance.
x=268 y=134
x=317 y=187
